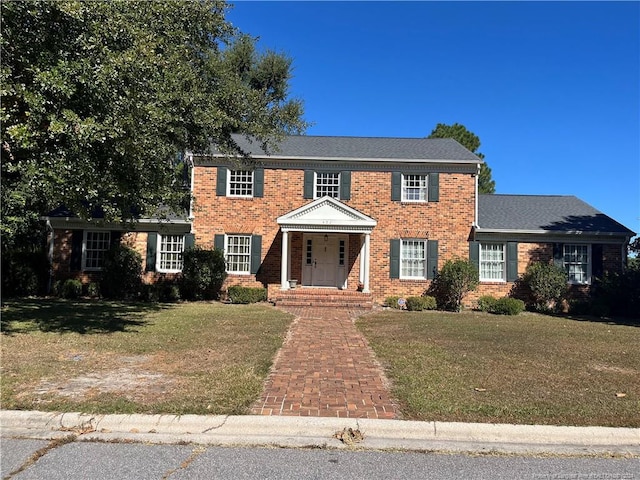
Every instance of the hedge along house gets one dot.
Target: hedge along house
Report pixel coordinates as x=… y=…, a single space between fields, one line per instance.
x=357 y=218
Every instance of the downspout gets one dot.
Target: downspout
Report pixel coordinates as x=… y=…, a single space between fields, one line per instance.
x=475 y=223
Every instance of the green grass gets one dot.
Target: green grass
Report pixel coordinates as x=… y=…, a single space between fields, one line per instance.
x=181 y=358
x=523 y=369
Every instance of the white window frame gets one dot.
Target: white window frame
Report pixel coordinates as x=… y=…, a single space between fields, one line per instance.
x=162 y=252
x=422 y=188
x=488 y=261
x=106 y=244
x=247 y=182
x=247 y=254
x=567 y=264
x=404 y=250
x=316 y=185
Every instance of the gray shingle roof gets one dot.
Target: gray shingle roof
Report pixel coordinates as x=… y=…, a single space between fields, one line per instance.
x=364 y=148
x=556 y=213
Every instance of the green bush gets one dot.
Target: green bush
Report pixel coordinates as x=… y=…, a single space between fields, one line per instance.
x=93 y=289
x=547 y=284
x=392 y=302
x=169 y=292
x=150 y=293
x=507 y=306
x=121 y=273
x=71 y=289
x=617 y=294
x=453 y=282
x=418 y=304
x=203 y=274
x=240 y=294
x=486 y=303
x=24 y=273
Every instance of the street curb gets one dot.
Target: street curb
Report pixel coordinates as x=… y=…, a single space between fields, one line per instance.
x=320 y=432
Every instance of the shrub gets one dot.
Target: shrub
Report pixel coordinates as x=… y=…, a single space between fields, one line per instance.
x=240 y=294
x=24 y=273
x=453 y=282
x=169 y=292
x=507 y=306
x=486 y=303
x=71 y=289
x=121 y=273
x=93 y=289
x=150 y=293
x=617 y=294
x=547 y=284
x=392 y=302
x=417 y=304
x=203 y=274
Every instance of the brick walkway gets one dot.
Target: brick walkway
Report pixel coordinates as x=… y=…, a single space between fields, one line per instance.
x=326 y=369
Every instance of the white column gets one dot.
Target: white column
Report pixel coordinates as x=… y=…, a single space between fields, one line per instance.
x=284 y=281
x=362 y=254
x=367 y=248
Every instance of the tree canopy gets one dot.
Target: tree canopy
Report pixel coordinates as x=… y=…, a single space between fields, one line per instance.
x=471 y=142
x=100 y=98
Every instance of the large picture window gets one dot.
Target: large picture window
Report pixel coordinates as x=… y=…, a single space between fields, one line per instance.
x=413 y=259
x=492 y=262
x=238 y=252
x=577 y=264
x=414 y=188
x=170 y=253
x=96 y=245
x=240 y=183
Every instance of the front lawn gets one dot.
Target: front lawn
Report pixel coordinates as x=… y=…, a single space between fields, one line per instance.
x=107 y=357
x=524 y=369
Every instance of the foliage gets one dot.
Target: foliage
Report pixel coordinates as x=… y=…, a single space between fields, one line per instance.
x=486 y=302
x=418 y=304
x=455 y=279
x=71 y=289
x=93 y=289
x=617 y=294
x=392 y=302
x=547 y=284
x=471 y=142
x=121 y=273
x=507 y=306
x=98 y=98
x=25 y=272
x=203 y=274
x=240 y=294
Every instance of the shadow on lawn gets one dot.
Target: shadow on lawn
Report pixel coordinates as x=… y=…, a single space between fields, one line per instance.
x=629 y=322
x=26 y=315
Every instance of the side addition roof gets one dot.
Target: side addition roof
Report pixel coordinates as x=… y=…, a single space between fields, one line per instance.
x=361 y=148
x=544 y=214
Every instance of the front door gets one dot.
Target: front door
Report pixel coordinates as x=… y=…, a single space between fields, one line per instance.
x=322 y=264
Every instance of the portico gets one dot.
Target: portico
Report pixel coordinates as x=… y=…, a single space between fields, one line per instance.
x=326 y=226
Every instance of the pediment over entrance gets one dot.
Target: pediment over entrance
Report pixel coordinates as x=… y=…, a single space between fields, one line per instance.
x=326 y=214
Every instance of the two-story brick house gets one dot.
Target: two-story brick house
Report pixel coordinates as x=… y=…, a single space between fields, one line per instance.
x=378 y=215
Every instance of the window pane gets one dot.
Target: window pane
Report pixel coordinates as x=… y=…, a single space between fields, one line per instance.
x=327 y=184
x=413 y=259
x=492 y=261
x=576 y=262
x=241 y=183
x=414 y=188
x=238 y=253
x=171 y=248
x=96 y=245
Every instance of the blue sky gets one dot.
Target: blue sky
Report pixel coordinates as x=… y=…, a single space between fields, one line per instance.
x=551 y=88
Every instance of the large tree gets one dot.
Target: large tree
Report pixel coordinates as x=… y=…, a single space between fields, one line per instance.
x=471 y=142
x=99 y=98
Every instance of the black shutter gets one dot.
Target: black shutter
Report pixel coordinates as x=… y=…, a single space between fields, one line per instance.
x=396 y=186
x=221 y=182
x=474 y=254
x=308 y=183
x=256 y=253
x=433 y=190
x=394 y=258
x=558 y=255
x=432 y=259
x=152 y=245
x=345 y=185
x=512 y=261
x=258 y=182
x=116 y=235
x=189 y=241
x=75 y=264
x=597 y=266
x=218 y=242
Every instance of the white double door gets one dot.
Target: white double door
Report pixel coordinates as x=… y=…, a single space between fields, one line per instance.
x=324 y=259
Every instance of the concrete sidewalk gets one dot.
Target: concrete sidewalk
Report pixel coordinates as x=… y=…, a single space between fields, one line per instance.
x=315 y=432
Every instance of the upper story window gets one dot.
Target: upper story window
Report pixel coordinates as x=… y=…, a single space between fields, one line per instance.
x=327 y=184
x=240 y=183
x=95 y=245
x=413 y=259
x=414 y=188
x=238 y=253
x=577 y=262
x=245 y=183
x=492 y=262
x=171 y=248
